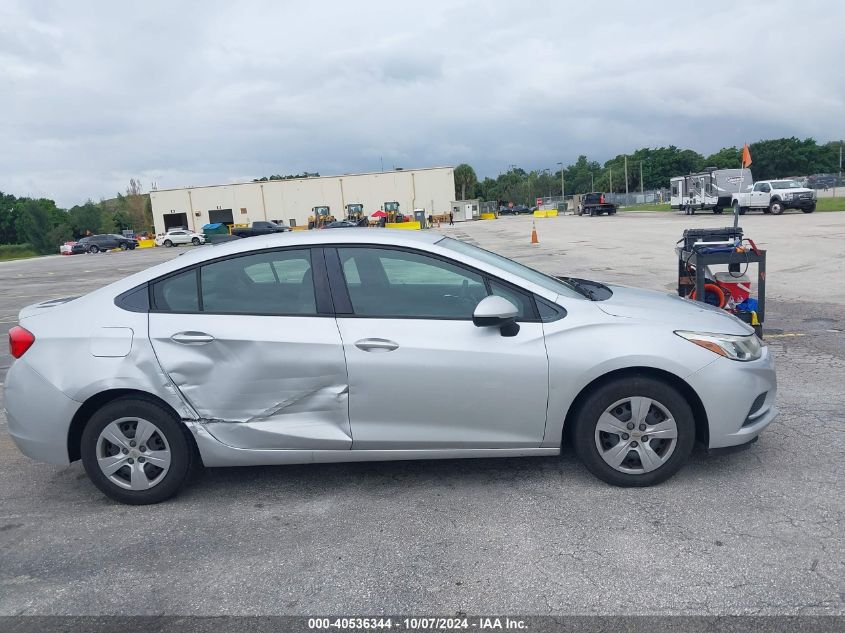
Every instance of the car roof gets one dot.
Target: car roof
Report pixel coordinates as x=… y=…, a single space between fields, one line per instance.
x=353 y=235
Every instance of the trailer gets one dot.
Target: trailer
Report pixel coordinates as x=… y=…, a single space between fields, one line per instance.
x=708 y=190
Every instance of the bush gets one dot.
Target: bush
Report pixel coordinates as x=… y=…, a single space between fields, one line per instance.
x=16 y=251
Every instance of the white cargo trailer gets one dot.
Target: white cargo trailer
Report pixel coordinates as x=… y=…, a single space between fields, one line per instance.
x=708 y=190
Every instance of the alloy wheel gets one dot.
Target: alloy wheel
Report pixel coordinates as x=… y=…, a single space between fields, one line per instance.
x=636 y=435
x=133 y=453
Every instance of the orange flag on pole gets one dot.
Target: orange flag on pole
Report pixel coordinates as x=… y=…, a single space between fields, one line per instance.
x=746 y=156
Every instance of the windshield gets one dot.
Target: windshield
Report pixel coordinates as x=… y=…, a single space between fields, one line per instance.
x=785 y=184
x=508 y=265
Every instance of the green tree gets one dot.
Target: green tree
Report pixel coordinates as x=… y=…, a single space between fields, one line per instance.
x=85 y=219
x=33 y=224
x=465 y=178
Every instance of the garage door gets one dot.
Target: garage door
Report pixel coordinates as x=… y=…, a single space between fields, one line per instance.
x=224 y=216
x=175 y=221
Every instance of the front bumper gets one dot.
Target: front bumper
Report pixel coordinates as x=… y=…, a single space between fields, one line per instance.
x=800 y=203
x=729 y=391
x=38 y=414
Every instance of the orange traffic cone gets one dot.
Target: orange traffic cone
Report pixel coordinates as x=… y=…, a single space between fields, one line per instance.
x=534 y=239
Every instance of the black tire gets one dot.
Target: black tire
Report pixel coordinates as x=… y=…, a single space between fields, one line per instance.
x=810 y=209
x=584 y=429
x=743 y=210
x=776 y=207
x=94 y=249
x=168 y=243
x=195 y=241
x=124 y=247
x=132 y=247
x=175 y=433
x=717 y=210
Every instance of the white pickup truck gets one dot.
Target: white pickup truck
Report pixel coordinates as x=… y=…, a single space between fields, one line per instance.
x=774 y=196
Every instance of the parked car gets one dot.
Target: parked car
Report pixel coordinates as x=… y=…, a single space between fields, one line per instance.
x=102 y=243
x=775 y=197
x=595 y=204
x=175 y=237
x=821 y=181
x=342 y=224
x=284 y=350
x=260 y=228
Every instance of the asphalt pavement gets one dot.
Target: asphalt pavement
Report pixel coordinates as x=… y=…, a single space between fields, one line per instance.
x=757 y=532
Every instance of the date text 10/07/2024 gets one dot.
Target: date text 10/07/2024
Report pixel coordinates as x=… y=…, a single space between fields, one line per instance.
x=418 y=623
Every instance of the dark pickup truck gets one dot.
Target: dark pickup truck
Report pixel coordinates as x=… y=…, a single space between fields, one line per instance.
x=260 y=228
x=595 y=204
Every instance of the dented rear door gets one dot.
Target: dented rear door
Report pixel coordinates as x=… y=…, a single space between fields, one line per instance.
x=252 y=345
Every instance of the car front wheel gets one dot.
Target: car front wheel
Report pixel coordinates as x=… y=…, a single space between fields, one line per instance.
x=94 y=249
x=168 y=243
x=635 y=431
x=776 y=207
x=136 y=452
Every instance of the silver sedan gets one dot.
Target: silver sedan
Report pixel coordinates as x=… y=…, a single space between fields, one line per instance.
x=365 y=345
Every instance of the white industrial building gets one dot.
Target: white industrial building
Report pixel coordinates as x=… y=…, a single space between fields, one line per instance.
x=290 y=202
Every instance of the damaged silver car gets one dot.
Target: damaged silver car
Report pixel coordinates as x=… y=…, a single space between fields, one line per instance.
x=363 y=345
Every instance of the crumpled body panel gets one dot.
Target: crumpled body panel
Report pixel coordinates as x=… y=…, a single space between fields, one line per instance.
x=261 y=382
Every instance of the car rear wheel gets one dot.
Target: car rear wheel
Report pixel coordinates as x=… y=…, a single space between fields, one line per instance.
x=136 y=452
x=195 y=241
x=636 y=431
x=168 y=243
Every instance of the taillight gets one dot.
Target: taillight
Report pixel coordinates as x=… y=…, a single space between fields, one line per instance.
x=20 y=340
x=601 y=199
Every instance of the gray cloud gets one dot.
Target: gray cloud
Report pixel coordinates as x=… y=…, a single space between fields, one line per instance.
x=192 y=93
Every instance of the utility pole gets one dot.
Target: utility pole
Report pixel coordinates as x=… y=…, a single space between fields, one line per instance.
x=592 y=182
x=563 y=188
x=610 y=190
x=626 y=176
x=641 y=176
x=529 y=189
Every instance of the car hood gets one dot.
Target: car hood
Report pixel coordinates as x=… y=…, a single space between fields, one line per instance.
x=675 y=311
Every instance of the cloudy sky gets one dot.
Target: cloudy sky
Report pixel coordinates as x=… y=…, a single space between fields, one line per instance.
x=181 y=93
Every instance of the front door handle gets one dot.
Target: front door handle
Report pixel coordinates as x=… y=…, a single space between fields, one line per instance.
x=192 y=338
x=376 y=345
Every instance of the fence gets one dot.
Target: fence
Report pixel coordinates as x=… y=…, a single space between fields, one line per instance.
x=654 y=196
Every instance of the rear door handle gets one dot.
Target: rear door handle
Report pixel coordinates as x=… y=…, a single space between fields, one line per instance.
x=376 y=345
x=192 y=338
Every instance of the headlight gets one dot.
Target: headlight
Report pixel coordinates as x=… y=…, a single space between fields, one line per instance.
x=742 y=348
x=787 y=196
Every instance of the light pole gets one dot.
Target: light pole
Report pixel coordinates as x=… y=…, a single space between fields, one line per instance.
x=563 y=188
x=626 y=175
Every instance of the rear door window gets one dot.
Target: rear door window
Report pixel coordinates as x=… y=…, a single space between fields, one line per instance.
x=275 y=283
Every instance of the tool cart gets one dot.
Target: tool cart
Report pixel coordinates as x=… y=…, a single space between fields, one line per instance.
x=702 y=249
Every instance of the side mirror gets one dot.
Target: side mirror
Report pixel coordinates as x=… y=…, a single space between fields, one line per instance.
x=497 y=312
